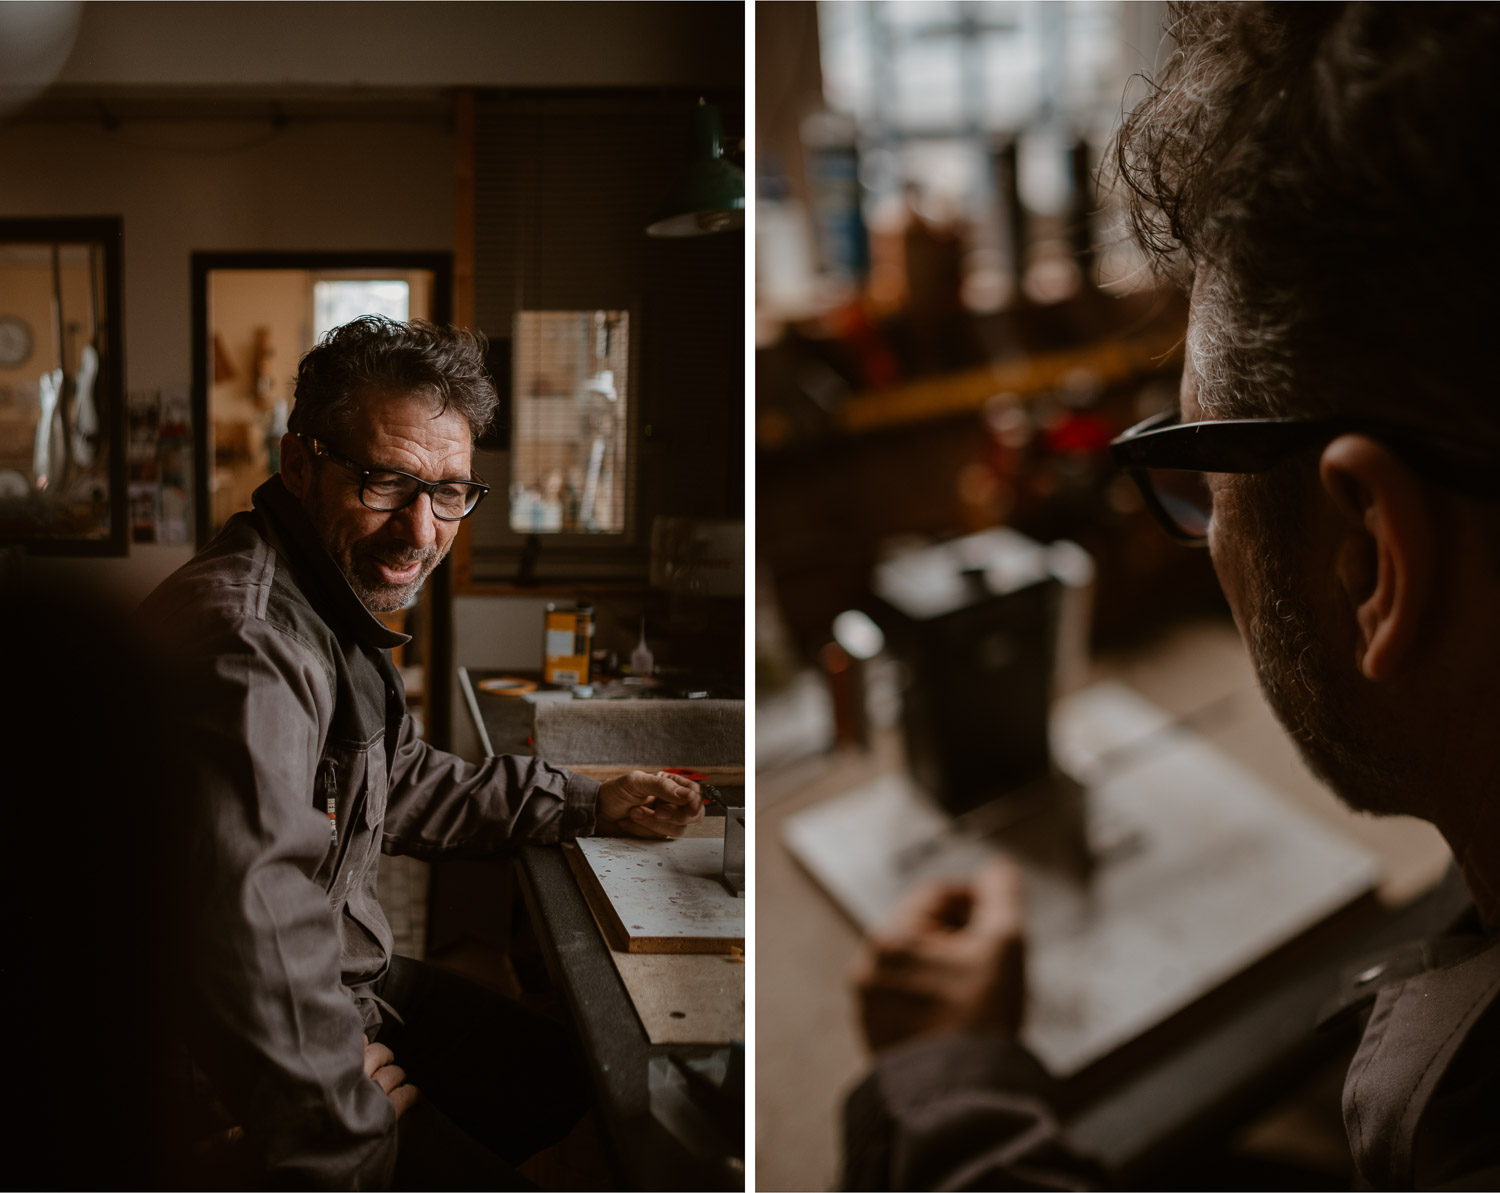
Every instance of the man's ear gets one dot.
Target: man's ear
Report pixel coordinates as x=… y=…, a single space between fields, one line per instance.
x=1384 y=554
x=296 y=465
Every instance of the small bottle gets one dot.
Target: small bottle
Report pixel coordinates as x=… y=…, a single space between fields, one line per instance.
x=642 y=662
x=569 y=642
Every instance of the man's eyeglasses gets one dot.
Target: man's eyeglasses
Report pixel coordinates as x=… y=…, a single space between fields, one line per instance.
x=1168 y=459
x=387 y=490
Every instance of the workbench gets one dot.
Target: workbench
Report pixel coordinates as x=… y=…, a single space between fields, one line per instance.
x=616 y=1045
x=1200 y=1074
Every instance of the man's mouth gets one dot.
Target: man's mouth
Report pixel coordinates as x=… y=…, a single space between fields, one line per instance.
x=398 y=571
x=404 y=575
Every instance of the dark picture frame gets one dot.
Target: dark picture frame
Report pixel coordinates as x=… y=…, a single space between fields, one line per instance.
x=40 y=523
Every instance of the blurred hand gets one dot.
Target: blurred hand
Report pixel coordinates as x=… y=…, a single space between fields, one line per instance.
x=647 y=805
x=951 y=959
x=381 y=1068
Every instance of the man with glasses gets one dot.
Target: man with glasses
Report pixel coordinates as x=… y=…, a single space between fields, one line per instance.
x=1321 y=178
x=306 y=766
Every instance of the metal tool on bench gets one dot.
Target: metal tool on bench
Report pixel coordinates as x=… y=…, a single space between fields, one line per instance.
x=974 y=622
x=734 y=840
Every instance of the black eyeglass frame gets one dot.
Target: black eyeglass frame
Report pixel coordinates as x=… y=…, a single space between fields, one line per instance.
x=1249 y=445
x=320 y=449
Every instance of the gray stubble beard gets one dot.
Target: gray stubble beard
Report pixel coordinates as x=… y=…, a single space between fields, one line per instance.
x=388 y=598
x=1317 y=703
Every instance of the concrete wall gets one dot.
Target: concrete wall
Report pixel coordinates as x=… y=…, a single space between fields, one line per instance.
x=189 y=184
x=182 y=186
x=405 y=44
x=498 y=632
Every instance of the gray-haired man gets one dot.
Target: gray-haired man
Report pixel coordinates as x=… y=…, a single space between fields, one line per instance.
x=1323 y=176
x=307 y=767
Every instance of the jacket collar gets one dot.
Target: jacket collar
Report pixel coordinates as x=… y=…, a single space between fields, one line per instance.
x=317 y=573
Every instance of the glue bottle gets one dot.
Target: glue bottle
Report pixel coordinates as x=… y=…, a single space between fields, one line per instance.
x=642 y=662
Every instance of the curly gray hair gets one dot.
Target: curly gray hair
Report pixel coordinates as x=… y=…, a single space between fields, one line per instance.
x=1324 y=175
x=373 y=354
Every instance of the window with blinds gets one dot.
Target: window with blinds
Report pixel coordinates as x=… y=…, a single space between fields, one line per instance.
x=570 y=414
x=619 y=356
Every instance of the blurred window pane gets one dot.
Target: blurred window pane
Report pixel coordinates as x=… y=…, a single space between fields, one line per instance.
x=336 y=303
x=929 y=83
x=568 y=434
x=909 y=68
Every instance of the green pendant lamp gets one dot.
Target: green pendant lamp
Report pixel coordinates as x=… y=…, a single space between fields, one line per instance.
x=710 y=196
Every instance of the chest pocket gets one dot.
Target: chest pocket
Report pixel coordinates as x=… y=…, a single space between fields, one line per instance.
x=350 y=788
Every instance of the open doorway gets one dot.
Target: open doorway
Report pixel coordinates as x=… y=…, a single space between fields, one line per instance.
x=254 y=316
x=260 y=323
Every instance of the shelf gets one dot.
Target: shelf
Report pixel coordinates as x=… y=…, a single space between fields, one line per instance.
x=931 y=398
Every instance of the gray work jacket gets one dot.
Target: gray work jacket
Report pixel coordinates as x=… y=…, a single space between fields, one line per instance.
x=1421 y=1101
x=305 y=767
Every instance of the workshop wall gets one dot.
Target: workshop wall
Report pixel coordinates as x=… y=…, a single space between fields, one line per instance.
x=432 y=43
x=182 y=186
x=193 y=178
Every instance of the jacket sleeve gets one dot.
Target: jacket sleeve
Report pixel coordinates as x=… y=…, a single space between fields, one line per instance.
x=959 y=1112
x=442 y=806
x=271 y=1025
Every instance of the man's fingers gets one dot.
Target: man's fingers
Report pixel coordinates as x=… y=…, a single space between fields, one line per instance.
x=669 y=813
x=388 y=1077
x=674 y=789
x=376 y=1057
x=403 y=1098
x=643 y=822
x=998 y=893
x=923 y=908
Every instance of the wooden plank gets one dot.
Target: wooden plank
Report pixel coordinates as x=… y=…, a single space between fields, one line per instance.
x=686 y=998
x=660 y=896
x=598 y=901
x=954 y=394
x=682 y=998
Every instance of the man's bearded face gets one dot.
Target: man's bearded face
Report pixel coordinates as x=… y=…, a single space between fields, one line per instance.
x=1310 y=683
x=1276 y=584
x=386 y=556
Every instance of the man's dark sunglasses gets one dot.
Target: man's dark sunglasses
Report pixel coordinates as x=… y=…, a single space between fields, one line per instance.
x=1168 y=459
x=388 y=490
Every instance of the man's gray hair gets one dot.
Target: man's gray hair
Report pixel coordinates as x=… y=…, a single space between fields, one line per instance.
x=1324 y=174
x=376 y=355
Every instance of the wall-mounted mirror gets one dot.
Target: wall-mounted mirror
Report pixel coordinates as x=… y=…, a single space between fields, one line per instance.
x=62 y=409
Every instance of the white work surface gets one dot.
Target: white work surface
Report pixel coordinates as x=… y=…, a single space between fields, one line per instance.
x=662 y=896
x=1203 y=870
x=808 y=1050
x=684 y=998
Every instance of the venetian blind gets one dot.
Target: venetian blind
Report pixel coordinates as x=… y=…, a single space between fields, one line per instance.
x=564 y=187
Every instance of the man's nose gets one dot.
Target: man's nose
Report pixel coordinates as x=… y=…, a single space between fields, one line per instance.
x=416 y=524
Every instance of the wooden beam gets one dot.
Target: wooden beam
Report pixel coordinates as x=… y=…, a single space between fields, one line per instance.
x=463 y=282
x=957 y=394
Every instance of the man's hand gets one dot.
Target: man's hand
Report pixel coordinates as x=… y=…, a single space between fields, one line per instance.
x=951 y=959
x=381 y=1068
x=645 y=805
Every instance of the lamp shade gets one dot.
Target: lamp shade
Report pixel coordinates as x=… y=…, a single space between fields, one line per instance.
x=710 y=195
